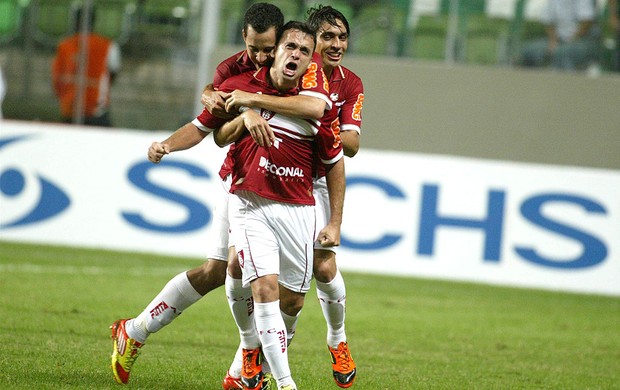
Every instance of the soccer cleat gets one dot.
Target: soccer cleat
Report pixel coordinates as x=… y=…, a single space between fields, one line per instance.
x=231 y=383
x=269 y=382
x=252 y=371
x=126 y=351
x=343 y=365
x=288 y=387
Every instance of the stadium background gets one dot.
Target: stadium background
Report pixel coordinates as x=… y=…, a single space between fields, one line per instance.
x=440 y=86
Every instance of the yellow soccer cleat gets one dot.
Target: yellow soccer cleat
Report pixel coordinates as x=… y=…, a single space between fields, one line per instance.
x=126 y=351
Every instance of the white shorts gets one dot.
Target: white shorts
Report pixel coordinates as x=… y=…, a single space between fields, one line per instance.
x=217 y=242
x=273 y=238
x=321 y=197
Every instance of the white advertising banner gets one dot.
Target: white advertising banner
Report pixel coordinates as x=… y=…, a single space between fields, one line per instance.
x=441 y=217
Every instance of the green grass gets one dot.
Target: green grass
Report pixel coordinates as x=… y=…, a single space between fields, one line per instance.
x=56 y=305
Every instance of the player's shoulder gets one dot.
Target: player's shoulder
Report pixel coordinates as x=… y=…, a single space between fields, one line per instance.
x=348 y=80
x=234 y=64
x=234 y=81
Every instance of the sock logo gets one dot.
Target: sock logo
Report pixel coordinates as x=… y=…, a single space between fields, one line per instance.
x=160 y=308
x=282 y=340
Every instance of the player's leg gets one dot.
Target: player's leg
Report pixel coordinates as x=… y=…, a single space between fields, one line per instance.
x=331 y=293
x=291 y=304
x=259 y=248
x=241 y=305
x=294 y=229
x=182 y=291
x=129 y=335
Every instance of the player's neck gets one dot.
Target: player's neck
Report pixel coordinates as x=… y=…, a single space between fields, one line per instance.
x=280 y=83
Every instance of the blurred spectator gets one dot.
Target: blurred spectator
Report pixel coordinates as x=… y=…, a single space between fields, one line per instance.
x=572 y=36
x=103 y=61
x=614 y=22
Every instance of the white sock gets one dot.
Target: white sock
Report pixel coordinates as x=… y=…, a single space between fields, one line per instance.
x=241 y=306
x=237 y=364
x=176 y=296
x=290 y=322
x=333 y=297
x=272 y=334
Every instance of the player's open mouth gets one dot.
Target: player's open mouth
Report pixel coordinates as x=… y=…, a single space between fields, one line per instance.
x=290 y=69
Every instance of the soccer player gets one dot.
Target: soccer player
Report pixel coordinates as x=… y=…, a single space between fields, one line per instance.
x=261 y=22
x=271 y=216
x=347 y=94
x=271 y=206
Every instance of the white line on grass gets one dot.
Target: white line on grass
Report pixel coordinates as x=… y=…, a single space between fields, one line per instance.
x=87 y=270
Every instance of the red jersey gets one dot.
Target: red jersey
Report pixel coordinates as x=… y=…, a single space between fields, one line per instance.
x=284 y=171
x=313 y=83
x=347 y=94
x=232 y=66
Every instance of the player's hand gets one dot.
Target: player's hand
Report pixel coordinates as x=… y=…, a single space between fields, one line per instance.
x=259 y=128
x=238 y=99
x=215 y=103
x=329 y=236
x=157 y=151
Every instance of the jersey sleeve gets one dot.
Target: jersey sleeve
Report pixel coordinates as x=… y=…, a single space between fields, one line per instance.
x=207 y=122
x=328 y=141
x=314 y=82
x=222 y=72
x=351 y=111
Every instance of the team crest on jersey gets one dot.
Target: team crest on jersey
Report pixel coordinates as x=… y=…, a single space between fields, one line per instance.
x=267 y=114
x=334 y=97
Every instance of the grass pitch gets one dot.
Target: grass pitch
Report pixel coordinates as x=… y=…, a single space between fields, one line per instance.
x=56 y=305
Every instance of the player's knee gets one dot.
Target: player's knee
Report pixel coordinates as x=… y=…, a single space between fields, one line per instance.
x=291 y=303
x=324 y=267
x=208 y=276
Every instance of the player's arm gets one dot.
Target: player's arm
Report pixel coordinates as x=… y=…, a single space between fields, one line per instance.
x=249 y=121
x=215 y=102
x=299 y=106
x=336 y=183
x=184 y=138
x=350 y=142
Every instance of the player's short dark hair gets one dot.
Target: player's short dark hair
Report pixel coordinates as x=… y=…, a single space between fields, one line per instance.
x=296 y=25
x=326 y=13
x=263 y=16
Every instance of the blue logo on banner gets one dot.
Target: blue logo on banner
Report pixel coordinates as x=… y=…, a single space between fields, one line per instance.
x=198 y=214
x=52 y=200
